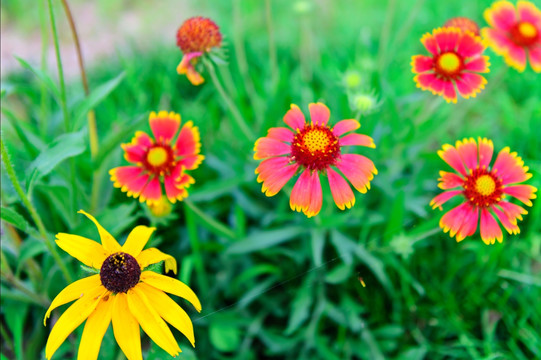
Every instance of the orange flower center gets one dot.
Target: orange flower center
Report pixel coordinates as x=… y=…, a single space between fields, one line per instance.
x=198 y=34
x=157 y=156
x=485 y=185
x=315 y=147
x=483 y=188
x=524 y=34
x=159 y=159
x=448 y=64
x=464 y=24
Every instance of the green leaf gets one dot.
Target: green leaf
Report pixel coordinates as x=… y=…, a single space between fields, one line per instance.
x=224 y=336
x=43 y=77
x=212 y=225
x=520 y=277
x=31 y=142
x=30 y=247
x=157 y=267
x=62 y=148
x=318 y=242
x=14 y=218
x=259 y=240
x=15 y=315
x=301 y=306
x=94 y=98
x=338 y=274
x=89 y=269
x=347 y=248
x=396 y=219
x=56 y=195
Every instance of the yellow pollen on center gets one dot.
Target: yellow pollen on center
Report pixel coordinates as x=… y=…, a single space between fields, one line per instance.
x=157 y=156
x=485 y=185
x=316 y=140
x=449 y=62
x=527 y=30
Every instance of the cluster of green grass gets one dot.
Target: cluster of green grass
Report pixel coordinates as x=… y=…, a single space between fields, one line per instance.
x=274 y=284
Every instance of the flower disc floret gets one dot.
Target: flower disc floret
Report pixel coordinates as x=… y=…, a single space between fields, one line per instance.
x=160 y=159
x=464 y=24
x=314 y=149
x=198 y=34
x=524 y=34
x=514 y=33
x=448 y=65
x=455 y=61
x=484 y=190
x=120 y=272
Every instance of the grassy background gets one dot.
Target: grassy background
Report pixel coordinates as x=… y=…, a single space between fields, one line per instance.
x=274 y=284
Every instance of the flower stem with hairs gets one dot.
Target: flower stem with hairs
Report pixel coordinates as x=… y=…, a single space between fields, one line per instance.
x=33 y=213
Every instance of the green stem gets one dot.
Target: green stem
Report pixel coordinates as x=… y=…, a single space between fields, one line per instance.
x=385 y=32
x=33 y=213
x=18 y=284
x=404 y=31
x=242 y=63
x=63 y=101
x=237 y=116
x=92 y=128
x=44 y=46
x=196 y=249
x=272 y=45
x=7 y=337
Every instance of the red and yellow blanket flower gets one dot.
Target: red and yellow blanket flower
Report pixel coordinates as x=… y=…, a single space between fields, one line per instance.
x=124 y=292
x=464 y=24
x=313 y=148
x=455 y=59
x=514 y=33
x=483 y=190
x=160 y=160
x=196 y=37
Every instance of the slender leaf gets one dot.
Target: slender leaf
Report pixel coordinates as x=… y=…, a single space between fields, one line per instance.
x=260 y=240
x=43 y=77
x=62 y=148
x=94 y=98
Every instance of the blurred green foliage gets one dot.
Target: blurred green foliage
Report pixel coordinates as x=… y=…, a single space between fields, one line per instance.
x=273 y=283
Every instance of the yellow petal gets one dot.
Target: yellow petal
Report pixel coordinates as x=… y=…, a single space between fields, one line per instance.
x=169 y=310
x=73 y=291
x=153 y=256
x=85 y=250
x=171 y=286
x=95 y=327
x=151 y=322
x=72 y=318
x=126 y=328
x=137 y=240
x=107 y=240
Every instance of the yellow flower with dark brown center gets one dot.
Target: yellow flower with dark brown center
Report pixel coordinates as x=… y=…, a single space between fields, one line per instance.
x=124 y=293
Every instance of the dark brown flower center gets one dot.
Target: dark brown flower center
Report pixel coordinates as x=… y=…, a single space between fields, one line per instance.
x=159 y=159
x=448 y=65
x=120 y=272
x=315 y=147
x=483 y=188
x=524 y=34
